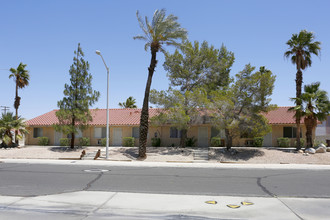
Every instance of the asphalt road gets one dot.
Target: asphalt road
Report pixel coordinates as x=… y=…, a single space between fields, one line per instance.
x=41 y=179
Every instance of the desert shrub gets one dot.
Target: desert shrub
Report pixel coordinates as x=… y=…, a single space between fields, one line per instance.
x=64 y=141
x=43 y=141
x=104 y=142
x=216 y=142
x=318 y=142
x=128 y=141
x=302 y=142
x=283 y=142
x=191 y=142
x=155 y=142
x=258 y=141
x=84 y=141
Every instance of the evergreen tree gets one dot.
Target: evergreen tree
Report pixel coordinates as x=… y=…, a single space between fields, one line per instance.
x=193 y=70
x=198 y=65
x=238 y=109
x=74 y=111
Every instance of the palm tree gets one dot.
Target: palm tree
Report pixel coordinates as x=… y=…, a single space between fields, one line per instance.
x=315 y=107
x=130 y=103
x=8 y=122
x=161 y=31
x=301 y=47
x=21 y=78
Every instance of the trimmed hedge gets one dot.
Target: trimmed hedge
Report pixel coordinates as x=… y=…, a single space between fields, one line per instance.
x=43 y=141
x=191 y=142
x=64 y=141
x=128 y=141
x=155 y=142
x=283 y=142
x=216 y=142
x=84 y=141
x=302 y=142
x=104 y=141
x=258 y=141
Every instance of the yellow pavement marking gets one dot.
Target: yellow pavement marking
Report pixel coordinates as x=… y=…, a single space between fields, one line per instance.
x=247 y=203
x=211 y=202
x=234 y=206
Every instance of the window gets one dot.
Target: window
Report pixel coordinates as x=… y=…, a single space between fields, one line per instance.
x=175 y=133
x=100 y=132
x=78 y=134
x=135 y=132
x=214 y=132
x=37 y=132
x=290 y=132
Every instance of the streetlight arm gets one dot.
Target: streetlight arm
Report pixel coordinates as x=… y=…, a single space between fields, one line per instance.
x=104 y=63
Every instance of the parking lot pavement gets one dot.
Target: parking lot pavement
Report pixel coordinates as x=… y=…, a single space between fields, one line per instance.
x=121 y=205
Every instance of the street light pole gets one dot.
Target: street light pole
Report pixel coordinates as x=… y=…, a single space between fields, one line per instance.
x=107 y=144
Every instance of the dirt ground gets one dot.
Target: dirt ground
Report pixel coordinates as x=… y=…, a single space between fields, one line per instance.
x=168 y=154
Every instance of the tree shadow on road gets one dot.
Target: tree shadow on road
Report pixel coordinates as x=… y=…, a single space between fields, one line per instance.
x=235 y=154
x=133 y=152
x=65 y=149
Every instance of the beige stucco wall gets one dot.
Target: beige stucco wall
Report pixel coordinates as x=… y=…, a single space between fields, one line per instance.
x=277 y=132
x=162 y=132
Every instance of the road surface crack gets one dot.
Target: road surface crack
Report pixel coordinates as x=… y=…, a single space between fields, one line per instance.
x=93 y=181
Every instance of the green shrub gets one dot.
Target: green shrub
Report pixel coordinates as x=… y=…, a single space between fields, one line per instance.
x=191 y=142
x=318 y=142
x=43 y=141
x=104 y=142
x=302 y=142
x=84 y=141
x=128 y=141
x=283 y=142
x=64 y=141
x=155 y=142
x=217 y=142
x=258 y=141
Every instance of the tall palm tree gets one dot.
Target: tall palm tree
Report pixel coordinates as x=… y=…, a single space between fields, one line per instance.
x=21 y=78
x=163 y=30
x=301 y=48
x=315 y=107
x=130 y=103
x=8 y=122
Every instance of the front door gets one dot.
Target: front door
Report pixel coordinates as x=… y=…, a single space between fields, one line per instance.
x=268 y=140
x=117 y=137
x=57 y=137
x=203 y=140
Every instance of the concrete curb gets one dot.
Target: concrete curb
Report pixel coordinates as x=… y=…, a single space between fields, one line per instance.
x=169 y=164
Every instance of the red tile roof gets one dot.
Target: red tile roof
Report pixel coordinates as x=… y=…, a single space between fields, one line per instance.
x=116 y=117
x=132 y=117
x=281 y=115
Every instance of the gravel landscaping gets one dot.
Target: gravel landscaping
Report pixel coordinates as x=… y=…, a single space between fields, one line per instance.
x=171 y=154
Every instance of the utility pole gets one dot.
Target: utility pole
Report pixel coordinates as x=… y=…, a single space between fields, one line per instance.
x=4 y=108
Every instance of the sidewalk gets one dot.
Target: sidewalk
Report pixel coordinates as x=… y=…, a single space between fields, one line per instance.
x=121 y=205
x=105 y=163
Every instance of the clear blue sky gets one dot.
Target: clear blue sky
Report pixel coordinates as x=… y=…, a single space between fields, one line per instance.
x=44 y=35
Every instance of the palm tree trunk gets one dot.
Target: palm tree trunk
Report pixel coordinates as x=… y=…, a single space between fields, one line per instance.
x=309 y=132
x=144 y=120
x=16 y=108
x=299 y=80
